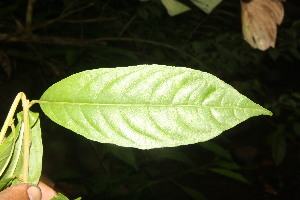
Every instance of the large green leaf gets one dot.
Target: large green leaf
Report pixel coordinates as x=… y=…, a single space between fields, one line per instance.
x=36 y=149
x=147 y=106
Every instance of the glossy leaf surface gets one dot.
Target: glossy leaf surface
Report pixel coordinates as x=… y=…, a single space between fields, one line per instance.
x=147 y=106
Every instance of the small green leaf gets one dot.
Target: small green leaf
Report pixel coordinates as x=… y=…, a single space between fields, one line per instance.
x=195 y=194
x=217 y=149
x=147 y=106
x=174 y=155
x=231 y=174
x=206 y=5
x=60 y=196
x=227 y=165
x=174 y=7
x=278 y=144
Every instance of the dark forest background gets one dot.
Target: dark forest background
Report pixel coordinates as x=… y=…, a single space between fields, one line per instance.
x=258 y=159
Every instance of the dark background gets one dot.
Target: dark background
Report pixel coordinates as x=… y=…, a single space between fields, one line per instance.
x=69 y=36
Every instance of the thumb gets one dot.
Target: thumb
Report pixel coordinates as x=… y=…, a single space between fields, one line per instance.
x=22 y=191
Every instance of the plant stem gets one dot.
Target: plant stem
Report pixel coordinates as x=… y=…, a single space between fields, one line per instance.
x=26 y=139
x=10 y=116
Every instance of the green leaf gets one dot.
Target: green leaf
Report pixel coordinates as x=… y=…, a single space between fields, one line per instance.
x=13 y=141
x=231 y=174
x=6 y=150
x=174 y=7
x=217 y=149
x=15 y=168
x=174 y=155
x=124 y=154
x=60 y=196
x=36 y=149
x=147 y=106
x=227 y=165
x=4 y=183
x=196 y=195
x=12 y=170
x=206 y=5
x=278 y=144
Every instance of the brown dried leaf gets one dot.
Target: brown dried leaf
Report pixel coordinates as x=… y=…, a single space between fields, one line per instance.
x=259 y=20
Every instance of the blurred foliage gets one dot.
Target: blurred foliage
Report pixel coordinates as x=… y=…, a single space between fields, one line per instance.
x=259 y=159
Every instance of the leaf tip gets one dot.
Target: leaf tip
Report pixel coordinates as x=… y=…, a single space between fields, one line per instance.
x=267 y=112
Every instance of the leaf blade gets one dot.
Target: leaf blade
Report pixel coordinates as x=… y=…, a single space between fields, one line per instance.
x=147 y=106
x=15 y=168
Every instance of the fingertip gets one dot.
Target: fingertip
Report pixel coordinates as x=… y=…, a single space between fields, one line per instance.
x=34 y=193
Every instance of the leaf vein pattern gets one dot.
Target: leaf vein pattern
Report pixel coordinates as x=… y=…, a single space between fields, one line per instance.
x=92 y=125
x=79 y=92
x=74 y=121
x=4 y=158
x=139 y=81
x=235 y=110
x=160 y=82
x=176 y=92
x=136 y=129
x=184 y=123
x=149 y=105
x=214 y=119
x=111 y=83
x=223 y=97
x=7 y=147
x=17 y=152
x=188 y=83
x=188 y=97
x=115 y=129
x=208 y=95
x=158 y=126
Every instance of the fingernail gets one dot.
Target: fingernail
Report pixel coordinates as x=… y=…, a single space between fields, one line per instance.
x=34 y=193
